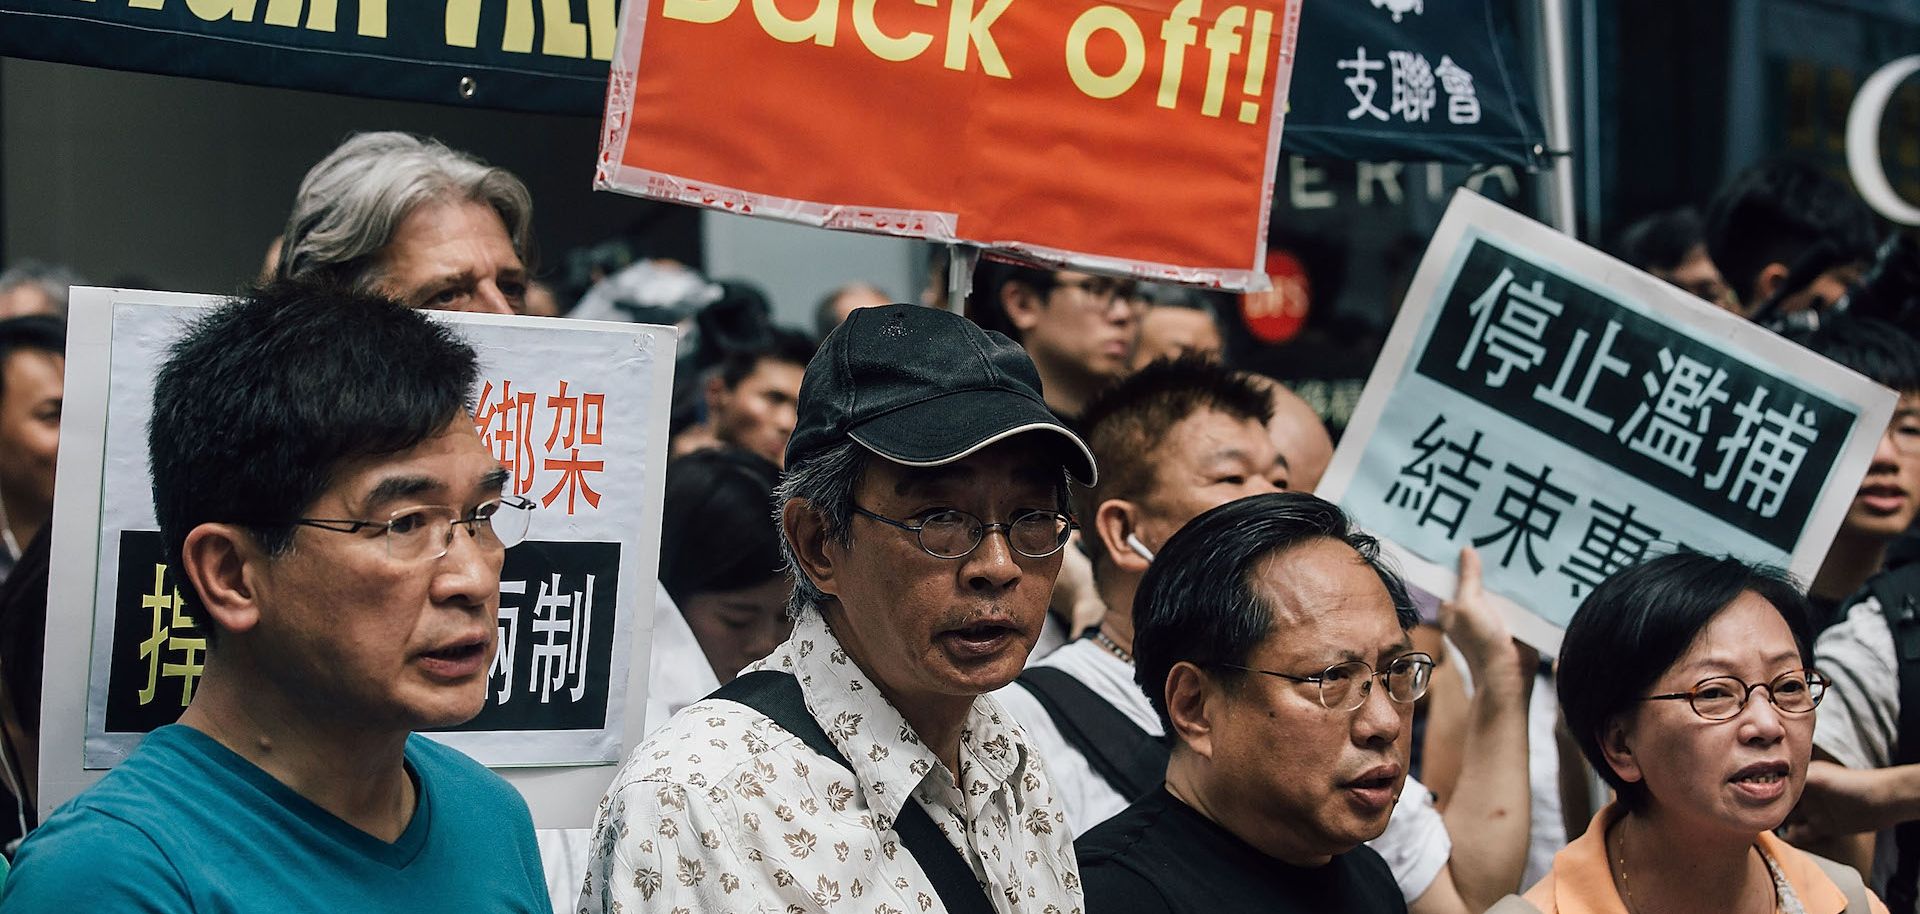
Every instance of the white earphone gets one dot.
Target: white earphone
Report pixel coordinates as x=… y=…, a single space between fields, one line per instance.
x=1139 y=547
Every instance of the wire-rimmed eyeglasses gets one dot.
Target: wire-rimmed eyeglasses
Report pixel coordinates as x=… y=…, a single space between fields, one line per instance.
x=423 y=533
x=954 y=534
x=1724 y=697
x=1346 y=686
x=1103 y=291
x=1904 y=432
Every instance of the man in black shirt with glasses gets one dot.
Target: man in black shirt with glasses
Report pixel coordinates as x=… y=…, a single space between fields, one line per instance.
x=1274 y=646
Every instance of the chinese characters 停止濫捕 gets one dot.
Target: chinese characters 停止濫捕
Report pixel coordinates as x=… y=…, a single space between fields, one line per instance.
x=1758 y=446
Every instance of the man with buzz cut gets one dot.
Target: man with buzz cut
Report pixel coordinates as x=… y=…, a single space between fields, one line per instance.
x=862 y=767
x=337 y=528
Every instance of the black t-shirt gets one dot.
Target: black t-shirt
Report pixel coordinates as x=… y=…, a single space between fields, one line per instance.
x=1159 y=856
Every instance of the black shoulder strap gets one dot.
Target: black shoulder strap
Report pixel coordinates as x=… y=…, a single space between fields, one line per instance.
x=1132 y=760
x=1899 y=595
x=777 y=695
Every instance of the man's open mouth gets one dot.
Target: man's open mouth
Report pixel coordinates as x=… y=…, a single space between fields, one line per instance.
x=457 y=652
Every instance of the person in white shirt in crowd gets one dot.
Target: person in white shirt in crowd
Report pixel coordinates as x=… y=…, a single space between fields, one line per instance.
x=1887 y=500
x=1174 y=440
x=862 y=766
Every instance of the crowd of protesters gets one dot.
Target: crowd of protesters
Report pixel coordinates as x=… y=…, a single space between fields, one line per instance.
x=1016 y=604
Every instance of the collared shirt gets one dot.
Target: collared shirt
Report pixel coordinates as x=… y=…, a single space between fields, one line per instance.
x=723 y=811
x=1582 y=882
x=678 y=676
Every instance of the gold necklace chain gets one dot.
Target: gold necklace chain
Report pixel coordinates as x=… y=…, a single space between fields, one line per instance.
x=1624 y=885
x=1627 y=887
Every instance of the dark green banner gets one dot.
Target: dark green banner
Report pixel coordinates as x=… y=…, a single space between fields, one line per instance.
x=1410 y=81
x=522 y=55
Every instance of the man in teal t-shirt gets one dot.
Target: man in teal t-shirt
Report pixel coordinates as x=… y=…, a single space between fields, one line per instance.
x=321 y=488
x=187 y=825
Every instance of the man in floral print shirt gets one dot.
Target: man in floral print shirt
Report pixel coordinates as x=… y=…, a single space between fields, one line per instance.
x=923 y=515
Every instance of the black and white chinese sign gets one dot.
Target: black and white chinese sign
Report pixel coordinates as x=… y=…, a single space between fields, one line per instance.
x=1568 y=416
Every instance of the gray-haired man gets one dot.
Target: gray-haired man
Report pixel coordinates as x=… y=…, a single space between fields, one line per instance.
x=861 y=767
x=415 y=221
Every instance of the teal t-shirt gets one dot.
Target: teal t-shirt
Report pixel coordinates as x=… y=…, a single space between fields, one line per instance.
x=184 y=824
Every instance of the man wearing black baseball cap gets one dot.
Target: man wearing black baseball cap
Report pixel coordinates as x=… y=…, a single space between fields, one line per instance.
x=861 y=765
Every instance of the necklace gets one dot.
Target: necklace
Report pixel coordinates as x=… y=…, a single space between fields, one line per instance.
x=1626 y=888
x=1113 y=647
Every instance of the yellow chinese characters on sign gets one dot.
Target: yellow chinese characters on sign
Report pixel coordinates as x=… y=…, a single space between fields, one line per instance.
x=174 y=648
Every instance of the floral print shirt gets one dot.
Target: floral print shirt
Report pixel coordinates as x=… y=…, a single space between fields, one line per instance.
x=723 y=812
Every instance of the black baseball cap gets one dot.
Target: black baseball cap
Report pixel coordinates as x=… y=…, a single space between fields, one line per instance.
x=924 y=387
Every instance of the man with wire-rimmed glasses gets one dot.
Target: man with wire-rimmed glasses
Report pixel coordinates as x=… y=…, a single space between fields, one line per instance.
x=861 y=766
x=339 y=531
x=1273 y=644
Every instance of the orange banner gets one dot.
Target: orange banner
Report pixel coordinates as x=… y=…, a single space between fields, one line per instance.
x=1136 y=137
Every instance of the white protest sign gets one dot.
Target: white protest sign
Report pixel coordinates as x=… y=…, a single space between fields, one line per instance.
x=1568 y=415
x=576 y=412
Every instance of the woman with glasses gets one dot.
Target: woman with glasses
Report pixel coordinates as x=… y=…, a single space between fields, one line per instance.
x=1686 y=681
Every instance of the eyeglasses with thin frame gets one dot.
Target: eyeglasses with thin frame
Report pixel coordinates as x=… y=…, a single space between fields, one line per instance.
x=1103 y=291
x=1724 y=697
x=954 y=534
x=1904 y=431
x=1346 y=686
x=424 y=533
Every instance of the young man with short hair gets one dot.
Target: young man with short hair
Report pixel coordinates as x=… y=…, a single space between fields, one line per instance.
x=1788 y=237
x=1080 y=329
x=752 y=397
